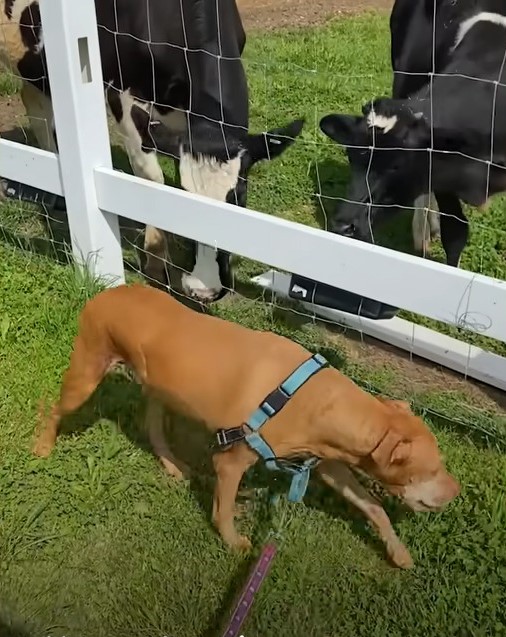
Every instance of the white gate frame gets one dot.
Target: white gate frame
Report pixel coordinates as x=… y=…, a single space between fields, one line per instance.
x=96 y=194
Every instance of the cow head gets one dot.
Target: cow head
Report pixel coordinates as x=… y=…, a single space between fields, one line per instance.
x=215 y=161
x=387 y=152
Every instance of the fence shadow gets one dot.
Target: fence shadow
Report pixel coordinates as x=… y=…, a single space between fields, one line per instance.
x=8 y=629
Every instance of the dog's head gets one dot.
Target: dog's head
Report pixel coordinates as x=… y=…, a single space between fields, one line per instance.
x=408 y=462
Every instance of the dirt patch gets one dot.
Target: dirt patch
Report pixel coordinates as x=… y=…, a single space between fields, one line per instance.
x=419 y=375
x=13 y=122
x=271 y=14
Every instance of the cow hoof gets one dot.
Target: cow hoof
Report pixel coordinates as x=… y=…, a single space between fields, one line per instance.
x=197 y=290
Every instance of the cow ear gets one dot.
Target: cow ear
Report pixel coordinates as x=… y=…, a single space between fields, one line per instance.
x=342 y=129
x=413 y=130
x=273 y=143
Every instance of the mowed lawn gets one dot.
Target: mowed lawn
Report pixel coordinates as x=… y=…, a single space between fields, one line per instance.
x=97 y=541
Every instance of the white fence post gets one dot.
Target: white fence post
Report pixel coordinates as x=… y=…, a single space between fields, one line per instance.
x=75 y=76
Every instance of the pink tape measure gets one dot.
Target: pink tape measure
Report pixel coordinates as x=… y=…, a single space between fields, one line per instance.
x=257 y=576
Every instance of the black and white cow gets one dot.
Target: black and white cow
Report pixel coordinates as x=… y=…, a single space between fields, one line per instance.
x=174 y=82
x=444 y=130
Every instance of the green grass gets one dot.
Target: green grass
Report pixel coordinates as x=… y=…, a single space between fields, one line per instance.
x=97 y=541
x=9 y=85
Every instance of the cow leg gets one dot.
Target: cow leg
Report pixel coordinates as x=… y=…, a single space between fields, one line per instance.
x=144 y=164
x=39 y=111
x=454 y=227
x=425 y=225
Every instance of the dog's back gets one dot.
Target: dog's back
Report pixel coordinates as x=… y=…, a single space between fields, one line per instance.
x=174 y=351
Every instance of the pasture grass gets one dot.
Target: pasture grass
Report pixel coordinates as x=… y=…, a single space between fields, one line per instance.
x=96 y=540
x=9 y=84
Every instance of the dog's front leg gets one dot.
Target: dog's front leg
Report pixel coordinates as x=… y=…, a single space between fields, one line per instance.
x=338 y=476
x=230 y=466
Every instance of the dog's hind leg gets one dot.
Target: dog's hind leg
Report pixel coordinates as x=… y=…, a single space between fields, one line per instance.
x=341 y=479
x=230 y=467
x=88 y=366
x=155 y=412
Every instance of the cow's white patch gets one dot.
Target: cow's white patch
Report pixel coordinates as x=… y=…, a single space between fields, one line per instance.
x=143 y=164
x=204 y=281
x=209 y=177
x=381 y=121
x=484 y=16
x=40 y=44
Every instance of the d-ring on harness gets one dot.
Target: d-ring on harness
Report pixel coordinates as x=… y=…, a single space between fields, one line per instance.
x=270 y=406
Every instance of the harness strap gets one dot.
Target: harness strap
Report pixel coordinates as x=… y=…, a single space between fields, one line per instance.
x=271 y=405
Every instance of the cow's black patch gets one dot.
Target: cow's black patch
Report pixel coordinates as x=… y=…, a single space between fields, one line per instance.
x=115 y=104
x=9 y=5
x=30 y=26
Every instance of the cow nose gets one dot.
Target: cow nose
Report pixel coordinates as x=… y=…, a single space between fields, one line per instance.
x=344 y=228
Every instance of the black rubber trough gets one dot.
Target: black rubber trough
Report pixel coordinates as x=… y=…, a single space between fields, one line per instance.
x=309 y=291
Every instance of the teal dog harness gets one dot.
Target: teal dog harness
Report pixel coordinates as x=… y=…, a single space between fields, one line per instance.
x=270 y=406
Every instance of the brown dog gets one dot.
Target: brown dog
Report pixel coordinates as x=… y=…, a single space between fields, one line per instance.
x=218 y=373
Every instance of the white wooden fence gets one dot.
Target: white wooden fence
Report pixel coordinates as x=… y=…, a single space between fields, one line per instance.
x=96 y=194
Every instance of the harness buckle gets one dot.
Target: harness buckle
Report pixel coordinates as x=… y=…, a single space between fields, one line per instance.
x=275 y=401
x=226 y=437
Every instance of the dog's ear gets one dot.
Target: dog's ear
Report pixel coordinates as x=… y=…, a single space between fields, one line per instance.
x=392 y=449
x=398 y=405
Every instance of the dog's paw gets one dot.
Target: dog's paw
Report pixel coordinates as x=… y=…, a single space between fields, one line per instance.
x=241 y=544
x=179 y=473
x=42 y=448
x=401 y=557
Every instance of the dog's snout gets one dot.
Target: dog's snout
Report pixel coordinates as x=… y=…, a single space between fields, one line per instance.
x=433 y=494
x=449 y=490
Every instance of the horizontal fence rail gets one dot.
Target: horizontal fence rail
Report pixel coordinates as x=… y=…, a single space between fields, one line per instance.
x=432 y=289
x=30 y=166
